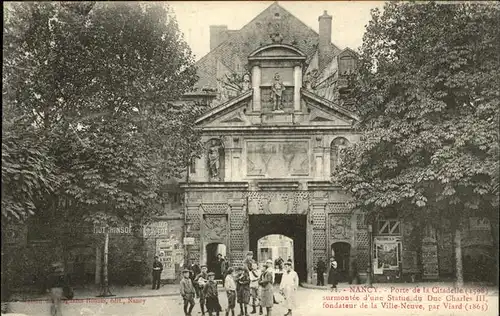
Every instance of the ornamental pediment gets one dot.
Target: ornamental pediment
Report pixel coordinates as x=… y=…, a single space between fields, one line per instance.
x=239 y=113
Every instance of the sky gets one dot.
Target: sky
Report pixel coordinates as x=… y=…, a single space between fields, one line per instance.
x=195 y=17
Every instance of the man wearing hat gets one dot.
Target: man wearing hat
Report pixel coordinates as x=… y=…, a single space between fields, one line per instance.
x=201 y=280
x=266 y=287
x=288 y=287
x=187 y=292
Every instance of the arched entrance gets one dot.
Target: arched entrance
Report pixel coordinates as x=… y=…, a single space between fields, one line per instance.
x=342 y=253
x=211 y=252
x=279 y=249
x=291 y=226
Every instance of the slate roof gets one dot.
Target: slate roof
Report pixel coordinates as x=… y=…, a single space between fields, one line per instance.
x=231 y=55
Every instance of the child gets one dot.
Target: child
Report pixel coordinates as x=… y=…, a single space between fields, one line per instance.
x=211 y=295
x=266 y=287
x=201 y=280
x=243 y=289
x=254 y=287
x=230 y=290
x=187 y=292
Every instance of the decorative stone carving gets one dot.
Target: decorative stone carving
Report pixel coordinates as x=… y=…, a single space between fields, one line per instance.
x=310 y=80
x=277 y=89
x=276 y=38
x=246 y=85
x=295 y=202
x=339 y=207
x=319 y=239
x=237 y=240
x=277 y=159
x=215 y=208
x=215 y=228
x=340 y=227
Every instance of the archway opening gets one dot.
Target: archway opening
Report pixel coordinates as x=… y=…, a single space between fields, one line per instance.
x=342 y=253
x=278 y=248
x=214 y=252
x=289 y=226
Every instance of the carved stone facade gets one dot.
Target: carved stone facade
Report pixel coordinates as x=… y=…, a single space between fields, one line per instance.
x=222 y=217
x=271 y=161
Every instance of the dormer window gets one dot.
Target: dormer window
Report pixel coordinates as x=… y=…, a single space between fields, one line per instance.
x=347 y=62
x=347 y=65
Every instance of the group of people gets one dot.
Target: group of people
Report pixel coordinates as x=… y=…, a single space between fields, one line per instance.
x=243 y=284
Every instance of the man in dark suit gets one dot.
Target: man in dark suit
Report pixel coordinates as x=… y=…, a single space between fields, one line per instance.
x=157 y=269
x=320 y=270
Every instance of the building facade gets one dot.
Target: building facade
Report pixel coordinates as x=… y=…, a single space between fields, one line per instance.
x=274 y=135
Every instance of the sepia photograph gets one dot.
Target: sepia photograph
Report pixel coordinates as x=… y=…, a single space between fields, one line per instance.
x=296 y=158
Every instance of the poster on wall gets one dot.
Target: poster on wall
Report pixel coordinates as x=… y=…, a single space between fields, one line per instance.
x=169 y=253
x=387 y=253
x=430 y=261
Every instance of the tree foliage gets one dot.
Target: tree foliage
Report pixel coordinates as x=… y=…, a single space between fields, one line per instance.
x=428 y=97
x=94 y=81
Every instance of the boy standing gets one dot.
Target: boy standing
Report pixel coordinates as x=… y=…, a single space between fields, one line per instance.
x=201 y=280
x=243 y=290
x=254 y=287
x=230 y=291
x=211 y=295
x=187 y=292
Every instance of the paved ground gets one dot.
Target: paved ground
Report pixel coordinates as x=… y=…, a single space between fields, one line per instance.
x=311 y=302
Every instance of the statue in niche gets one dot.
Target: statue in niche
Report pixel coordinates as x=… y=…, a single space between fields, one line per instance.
x=246 y=85
x=277 y=95
x=337 y=146
x=214 y=154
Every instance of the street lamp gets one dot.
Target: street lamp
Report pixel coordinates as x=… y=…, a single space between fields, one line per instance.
x=370 y=252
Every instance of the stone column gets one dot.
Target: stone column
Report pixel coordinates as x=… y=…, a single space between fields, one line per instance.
x=297 y=84
x=256 y=77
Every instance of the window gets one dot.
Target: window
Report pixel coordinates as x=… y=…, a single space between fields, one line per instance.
x=389 y=227
x=347 y=65
x=192 y=165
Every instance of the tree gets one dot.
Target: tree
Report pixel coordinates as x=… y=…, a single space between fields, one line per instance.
x=95 y=80
x=428 y=99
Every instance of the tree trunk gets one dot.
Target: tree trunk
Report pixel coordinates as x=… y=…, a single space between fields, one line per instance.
x=458 y=256
x=105 y=285
x=98 y=264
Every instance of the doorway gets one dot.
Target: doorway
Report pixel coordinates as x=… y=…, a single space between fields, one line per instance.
x=289 y=226
x=342 y=253
x=211 y=252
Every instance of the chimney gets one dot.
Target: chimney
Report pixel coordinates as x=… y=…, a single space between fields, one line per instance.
x=218 y=34
x=325 y=37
